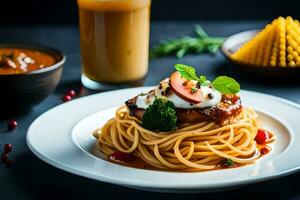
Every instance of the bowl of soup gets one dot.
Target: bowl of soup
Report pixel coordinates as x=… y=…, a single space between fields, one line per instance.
x=28 y=74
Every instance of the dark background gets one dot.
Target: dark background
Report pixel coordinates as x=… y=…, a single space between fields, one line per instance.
x=28 y=12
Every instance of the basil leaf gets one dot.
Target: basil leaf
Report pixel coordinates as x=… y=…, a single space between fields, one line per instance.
x=226 y=85
x=186 y=71
x=202 y=79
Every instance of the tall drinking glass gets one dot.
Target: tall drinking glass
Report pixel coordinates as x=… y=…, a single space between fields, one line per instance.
x=114 y=41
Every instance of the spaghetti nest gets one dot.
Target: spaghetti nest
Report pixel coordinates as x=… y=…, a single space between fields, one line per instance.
x=192 y=147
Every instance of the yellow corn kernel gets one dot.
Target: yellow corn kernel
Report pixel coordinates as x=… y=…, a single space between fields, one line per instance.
x=282 y=41
x=273 y=63
x=282 y=64
x=282 y=59
x=253 y=55
x=282 y=36
x=256 y=49
x=296 y=26
x=259 y=55
x=292 y=43
x=290 y=49
x=295 y=54
x=292 y=64
x=290 y=57
x=292 y=33
x=263 y=53
x=273 y=58
x=282 y=53
x=268 y=48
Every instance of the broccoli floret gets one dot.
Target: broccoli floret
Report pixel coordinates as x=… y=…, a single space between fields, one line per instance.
x=160 y=116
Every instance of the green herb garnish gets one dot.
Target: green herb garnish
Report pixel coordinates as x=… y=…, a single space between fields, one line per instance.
x=160 y=116
x=226 y=85
x=223 y=84
x=194 y=90
x=228 y=163
x=181 y=46
x=187 y=72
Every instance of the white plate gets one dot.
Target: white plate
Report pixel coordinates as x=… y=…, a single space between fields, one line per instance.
x=62 y=137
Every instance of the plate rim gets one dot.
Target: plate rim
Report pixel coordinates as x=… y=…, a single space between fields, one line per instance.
x=106 y=179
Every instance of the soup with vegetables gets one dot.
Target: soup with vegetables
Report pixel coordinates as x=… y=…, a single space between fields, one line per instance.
x=18 y=60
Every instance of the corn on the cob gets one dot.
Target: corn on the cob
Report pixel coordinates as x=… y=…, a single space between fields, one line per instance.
x=278 y=44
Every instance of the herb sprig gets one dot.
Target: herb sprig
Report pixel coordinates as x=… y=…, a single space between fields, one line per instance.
x=228 y=162
x=223 y=84
x=184 y=45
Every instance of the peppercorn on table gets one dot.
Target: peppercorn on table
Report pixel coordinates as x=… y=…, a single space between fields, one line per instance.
x=30 y=178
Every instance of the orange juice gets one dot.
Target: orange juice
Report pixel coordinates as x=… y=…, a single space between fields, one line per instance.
x=114 y=39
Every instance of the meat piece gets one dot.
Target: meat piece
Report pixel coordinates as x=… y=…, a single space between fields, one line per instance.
x=229 y=107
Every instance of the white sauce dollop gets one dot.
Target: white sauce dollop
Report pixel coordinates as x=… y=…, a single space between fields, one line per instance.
x=143 y=101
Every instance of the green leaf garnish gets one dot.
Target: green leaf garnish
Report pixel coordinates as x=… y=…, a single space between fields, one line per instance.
x=200 y=32
x=186 y=71
x=226 y=85
x=223 y=84
x=203 y=81
x=228 y=162
x=194 y=90
x=184 y=45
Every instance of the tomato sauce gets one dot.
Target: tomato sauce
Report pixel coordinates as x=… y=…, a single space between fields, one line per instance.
x=17 y=61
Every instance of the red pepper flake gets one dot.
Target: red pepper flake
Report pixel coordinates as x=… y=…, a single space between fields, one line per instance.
x=7 y=148
x=261 y=136
x=121 y=157
x=12 y=124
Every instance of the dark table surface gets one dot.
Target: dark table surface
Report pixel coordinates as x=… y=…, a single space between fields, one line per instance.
x=30 y=178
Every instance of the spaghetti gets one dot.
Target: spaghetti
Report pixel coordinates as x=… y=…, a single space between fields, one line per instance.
x=192 y=147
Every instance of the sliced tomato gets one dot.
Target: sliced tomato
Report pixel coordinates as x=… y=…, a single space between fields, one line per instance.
x=184 y=89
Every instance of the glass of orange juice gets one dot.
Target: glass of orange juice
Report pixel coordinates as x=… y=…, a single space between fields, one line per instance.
x=114 y=42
